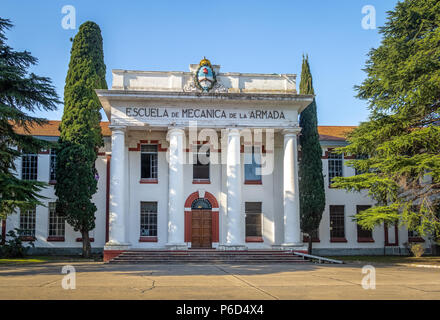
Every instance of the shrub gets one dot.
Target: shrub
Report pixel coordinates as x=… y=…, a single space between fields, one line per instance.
x=417 y=250
x=14 y=248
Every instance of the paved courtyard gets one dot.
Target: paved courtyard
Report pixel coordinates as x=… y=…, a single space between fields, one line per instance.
x=282 y=281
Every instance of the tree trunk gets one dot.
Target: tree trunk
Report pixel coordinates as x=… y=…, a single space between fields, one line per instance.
x=309 y=250
x=87 y=249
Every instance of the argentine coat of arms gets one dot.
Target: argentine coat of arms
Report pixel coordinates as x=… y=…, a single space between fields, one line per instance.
x=204 y=77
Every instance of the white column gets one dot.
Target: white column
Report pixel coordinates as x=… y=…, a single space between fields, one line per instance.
x=117 y=236
x=235 y=218
x=292 y=229
x=176 y=218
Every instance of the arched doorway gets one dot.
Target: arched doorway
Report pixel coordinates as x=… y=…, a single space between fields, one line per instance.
x=201 y=220
x=201 y=224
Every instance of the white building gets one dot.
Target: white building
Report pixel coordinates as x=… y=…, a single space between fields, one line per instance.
x=241 y=194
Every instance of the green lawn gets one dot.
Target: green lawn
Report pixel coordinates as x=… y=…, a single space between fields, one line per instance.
x=46 y=259
x=389 y=259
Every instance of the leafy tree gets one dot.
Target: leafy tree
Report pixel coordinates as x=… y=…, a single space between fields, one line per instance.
x=311 y=180
x=20 y=92
x=80 y=132
x=402 y=134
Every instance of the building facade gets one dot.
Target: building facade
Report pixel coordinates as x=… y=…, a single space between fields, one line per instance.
x=203 y=159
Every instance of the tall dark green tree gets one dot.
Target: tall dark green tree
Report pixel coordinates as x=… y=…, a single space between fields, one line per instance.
x=311 y=180
x=402 y=134
x=80 y=132
x=21 y=93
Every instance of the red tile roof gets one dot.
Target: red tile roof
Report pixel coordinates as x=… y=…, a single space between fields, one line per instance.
x=332 y=133
x=326 y=133
x=51 y=129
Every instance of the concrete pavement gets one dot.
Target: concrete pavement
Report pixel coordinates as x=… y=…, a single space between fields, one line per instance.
x=187 y=281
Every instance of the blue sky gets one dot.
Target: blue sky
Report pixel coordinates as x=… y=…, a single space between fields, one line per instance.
x=241 y=36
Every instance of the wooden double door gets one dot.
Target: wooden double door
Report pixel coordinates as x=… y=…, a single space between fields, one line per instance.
x=201 y=233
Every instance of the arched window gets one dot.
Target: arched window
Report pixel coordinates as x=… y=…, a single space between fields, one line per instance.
x=201 y=204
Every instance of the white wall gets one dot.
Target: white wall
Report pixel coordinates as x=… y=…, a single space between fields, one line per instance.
x=269 y=193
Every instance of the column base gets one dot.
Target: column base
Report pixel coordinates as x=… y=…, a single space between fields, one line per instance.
x=113 y=249
x=176 y=246
x=113 y=245
x=231 y=247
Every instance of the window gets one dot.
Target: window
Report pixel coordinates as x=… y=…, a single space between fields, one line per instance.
x=201 y=163
x=56 y=222
x=148 y=219
x=363 y=234
x=53 y=159
x=27 y=223
x=253 y=219
x=360 y=157
x=148 y=161
x=334 y=166
x=414 y=236
x=252 y=166
x=337 y=223
x=29 y=163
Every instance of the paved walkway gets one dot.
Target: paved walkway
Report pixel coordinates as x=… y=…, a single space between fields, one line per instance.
x=281 y=281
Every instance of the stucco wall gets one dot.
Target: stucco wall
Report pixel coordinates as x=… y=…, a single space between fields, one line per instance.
x=269 y=193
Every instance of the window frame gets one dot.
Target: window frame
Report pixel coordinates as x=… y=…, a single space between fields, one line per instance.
x=152 y=161
x=333 y=159
x=54 y=234
x=145 y=222
x=255 y=178
x=363 y=235
x=338 y=237
x=258 y=237
x=207 y=167
x=28 y=234
x=32 y=166
x=52 y=166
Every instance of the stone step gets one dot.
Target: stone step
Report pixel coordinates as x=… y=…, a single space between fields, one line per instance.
x=202 y=258
x=204 y=261
x=207 y=256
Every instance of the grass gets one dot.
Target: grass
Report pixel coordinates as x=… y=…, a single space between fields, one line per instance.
x=46 y=259
x=389 y=259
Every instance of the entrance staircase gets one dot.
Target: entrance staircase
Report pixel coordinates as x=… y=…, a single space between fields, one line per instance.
x=206 y=256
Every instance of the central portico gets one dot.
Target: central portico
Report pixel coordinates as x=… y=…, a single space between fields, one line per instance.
x=164 y=195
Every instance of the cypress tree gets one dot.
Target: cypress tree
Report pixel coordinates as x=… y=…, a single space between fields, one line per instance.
x=402 y=135
x=80 y=132
x=311 y=180
x=20 y=92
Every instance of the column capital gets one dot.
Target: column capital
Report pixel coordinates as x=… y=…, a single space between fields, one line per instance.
x=291 y=131
x=233 y=131
x=176 y=130
x=117 y=127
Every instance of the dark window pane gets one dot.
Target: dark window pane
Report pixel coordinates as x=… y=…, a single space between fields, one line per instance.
x=337 y=222
x=253 y=219
x=201 y=204
x=148 y=161
x=53 y=157
x=363 y=233
x=148 y=225
x=27 y=222
x=334 y=165
x=252 y=207
x=201 y=163
x=29 y=164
